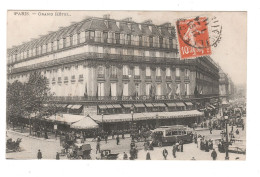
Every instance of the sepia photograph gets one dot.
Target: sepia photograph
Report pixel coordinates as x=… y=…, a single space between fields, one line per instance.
x=126 y=85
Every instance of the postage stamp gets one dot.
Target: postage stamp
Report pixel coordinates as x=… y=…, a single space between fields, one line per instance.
x=193 y=37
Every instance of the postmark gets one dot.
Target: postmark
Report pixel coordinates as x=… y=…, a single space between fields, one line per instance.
x=197 y=35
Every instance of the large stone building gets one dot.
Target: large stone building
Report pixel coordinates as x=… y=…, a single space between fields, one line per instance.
x=107 y=66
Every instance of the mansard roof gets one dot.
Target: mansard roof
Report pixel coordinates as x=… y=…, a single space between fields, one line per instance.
x=93 y=23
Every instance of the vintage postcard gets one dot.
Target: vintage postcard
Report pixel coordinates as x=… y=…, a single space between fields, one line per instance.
x=126 y=85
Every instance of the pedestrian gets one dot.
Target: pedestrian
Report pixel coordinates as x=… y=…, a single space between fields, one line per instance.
x=57 y=156
x=117 y=140
x=181 y=146
x=243 y=127
x=106 y=137
x=174 y=149
x=198 y=142
x=237 y=132
x=210 y=130
x=39 y=155
x=113 y=134
x=193 y=158
x=98 y=147
x=214 y=154
x=125 y=156
x=165 y=154
x=123 y=134
x=148 y=156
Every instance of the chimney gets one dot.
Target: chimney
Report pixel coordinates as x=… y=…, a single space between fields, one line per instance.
x=128 y=19
x=106 y=16
x=167 y=24
x=149 y=21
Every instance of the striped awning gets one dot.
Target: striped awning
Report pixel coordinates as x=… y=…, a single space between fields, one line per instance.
x=127 y=105
x=171 y=104
x=117 y=106
x=188 y=103
x=76 y=107
x=180 y=104
x=149 y=105
x=147 y=116
x=159 y=105
x=139 y=105
x=110 y=106
x=69 y=106
x=102 y=106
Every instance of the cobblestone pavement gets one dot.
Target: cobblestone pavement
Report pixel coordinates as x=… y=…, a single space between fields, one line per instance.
x=49 y=147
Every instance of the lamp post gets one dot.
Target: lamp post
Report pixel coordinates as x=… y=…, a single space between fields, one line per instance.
x=132 y=113
x=225 y=114
x=102 y=116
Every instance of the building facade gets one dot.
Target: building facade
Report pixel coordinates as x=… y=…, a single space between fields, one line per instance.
x=106 y=61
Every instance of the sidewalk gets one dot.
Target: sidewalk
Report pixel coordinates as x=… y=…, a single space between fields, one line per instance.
x=27 y=134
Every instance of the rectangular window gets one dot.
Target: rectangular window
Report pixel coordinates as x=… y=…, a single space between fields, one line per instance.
x=168 y=72
x=158 y=71
x=49 y=47
x=55 y=45
x=137 y=71
x=61 y=42
x=178 y=72
x=148 y=71
x=158 y=89
x=97 y=36
x=125 y=70
x=101 y=70
x=101 y=89
x=148 y=88
x=113 y=70
x=44 y=48
x=82 y=37
x=187 y=72
x=92 y=35
x=75 y=39
x=178 y=89
x=117 y=36
x=67 y=41
x=187 y=89
x=113 y=89
x=125 y=89
x=137 y=89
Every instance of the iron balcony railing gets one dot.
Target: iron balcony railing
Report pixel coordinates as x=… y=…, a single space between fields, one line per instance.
x=128 y=98
x=92 y=56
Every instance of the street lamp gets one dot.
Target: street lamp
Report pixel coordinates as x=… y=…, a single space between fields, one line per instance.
x=225 y=114
x=102 y=116
x=132 y=113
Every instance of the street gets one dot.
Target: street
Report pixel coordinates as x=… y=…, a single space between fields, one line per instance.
x=50 y=147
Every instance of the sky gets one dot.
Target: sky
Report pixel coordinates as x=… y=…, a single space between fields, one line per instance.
x=230 y=53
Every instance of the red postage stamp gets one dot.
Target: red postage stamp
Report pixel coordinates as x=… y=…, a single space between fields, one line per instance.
x=193 y=37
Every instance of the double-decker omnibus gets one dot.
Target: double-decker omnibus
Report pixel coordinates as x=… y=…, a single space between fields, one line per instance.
x=168 y=135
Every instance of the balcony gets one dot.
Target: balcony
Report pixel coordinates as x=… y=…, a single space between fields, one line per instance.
x=148 y=77
x=177 y=78
x=137 y=77
x=127 y=98
x=168 y=78
x=125 y=77
x=158 y=78
x=186 y=78
x=101 y=76
x=113 y=77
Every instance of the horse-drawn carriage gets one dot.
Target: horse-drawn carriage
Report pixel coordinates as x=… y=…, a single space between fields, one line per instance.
x=107 y=155
x=79 y=151
x=13 y=146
